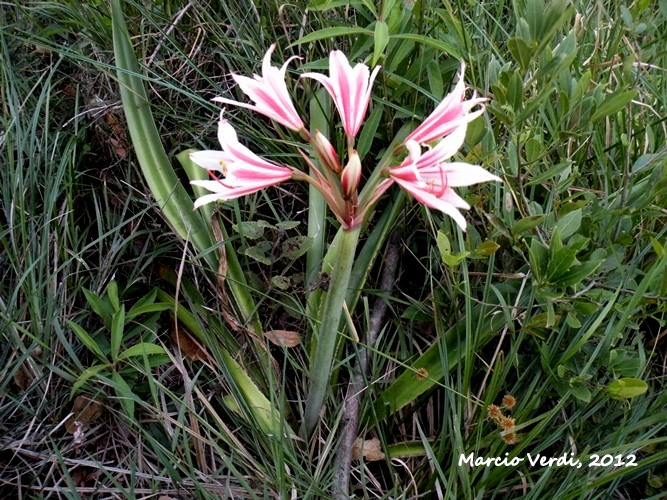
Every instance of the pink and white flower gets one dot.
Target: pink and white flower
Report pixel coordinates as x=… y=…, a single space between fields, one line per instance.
x=350 y=89
x=269 y=93
x=451 y=113
x=430 y=179
x=243 y=172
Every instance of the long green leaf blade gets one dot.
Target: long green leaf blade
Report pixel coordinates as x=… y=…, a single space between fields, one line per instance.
x=169 y=193
x=117 y=332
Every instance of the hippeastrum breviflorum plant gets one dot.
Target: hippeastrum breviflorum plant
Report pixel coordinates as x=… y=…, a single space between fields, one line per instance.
x=418 y=161
x=419 y=165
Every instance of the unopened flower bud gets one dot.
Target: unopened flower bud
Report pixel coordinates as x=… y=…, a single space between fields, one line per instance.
x=349 y=179
x=326 y=152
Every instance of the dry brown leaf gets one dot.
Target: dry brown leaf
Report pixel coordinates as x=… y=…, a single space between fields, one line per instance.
x=22 y=377
x=370 y=449
x=284 y=338
x=85 y=410
x=120 y=147
x=85 y=476
x=69 y=90
x=222 y=266
x=114 y=124
x=119 y=136
x=38 y=49
x=188 y=346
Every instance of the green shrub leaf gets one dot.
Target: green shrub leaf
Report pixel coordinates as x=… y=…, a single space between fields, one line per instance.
x=569 y=224
x=142 y=349
x=627 y=388
x=88 y=341
x=614 y=103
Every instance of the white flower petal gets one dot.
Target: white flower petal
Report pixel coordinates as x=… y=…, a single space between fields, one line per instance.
x=210 y=160
x=207 y=198
x=463 y=174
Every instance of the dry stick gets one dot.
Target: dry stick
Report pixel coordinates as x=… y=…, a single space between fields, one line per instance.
x=171 y=27
x=356 y=385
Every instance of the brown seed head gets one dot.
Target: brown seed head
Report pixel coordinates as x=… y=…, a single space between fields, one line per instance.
x=507 y=423
x=494 y=413
x=510 y=438
x=509 y=402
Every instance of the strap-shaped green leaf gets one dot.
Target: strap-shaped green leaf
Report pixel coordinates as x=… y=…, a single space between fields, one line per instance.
x=172 y=198
x=428 y=370
x=320 y=115
x=333 y=32
x=170 y=195
x=254 y=405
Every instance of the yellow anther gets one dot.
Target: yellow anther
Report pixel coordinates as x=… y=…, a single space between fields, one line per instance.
x=223 y=167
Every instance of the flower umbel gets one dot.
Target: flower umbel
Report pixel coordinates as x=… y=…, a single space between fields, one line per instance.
x=350 y=89
x=269 y=93
x=243 y=171
x=426 y=172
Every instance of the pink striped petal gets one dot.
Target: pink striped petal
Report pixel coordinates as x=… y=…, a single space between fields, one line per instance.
x=243 y=163
x=429 y=178
x=207 y=198
x=229 y=191
x=269 y=94
x=450 y=114
x=430 y=200
x=350 y=89
x=445 y=149
x=211 y=160
x=463 y=174
x=243 y=172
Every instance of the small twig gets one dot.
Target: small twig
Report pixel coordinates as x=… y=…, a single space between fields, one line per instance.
x=356 y=385
x=171 y=27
